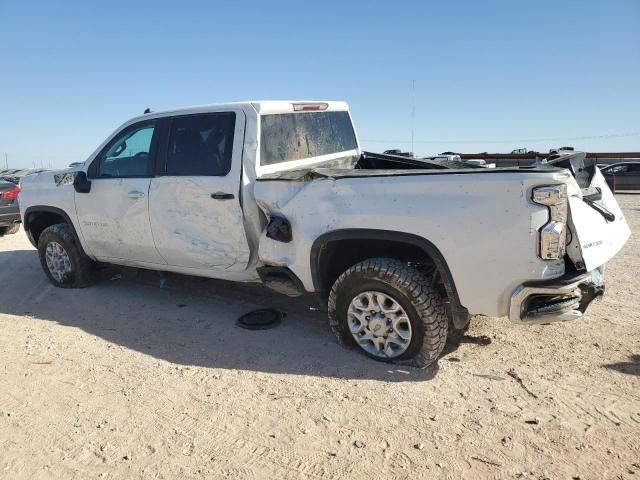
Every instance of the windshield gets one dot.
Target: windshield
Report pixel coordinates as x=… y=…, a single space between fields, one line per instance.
x=297 y=136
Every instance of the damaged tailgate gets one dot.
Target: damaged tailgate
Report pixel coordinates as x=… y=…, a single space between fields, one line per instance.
x=596 y=220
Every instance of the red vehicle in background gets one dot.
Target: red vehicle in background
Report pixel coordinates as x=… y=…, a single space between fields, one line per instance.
x=9 y=211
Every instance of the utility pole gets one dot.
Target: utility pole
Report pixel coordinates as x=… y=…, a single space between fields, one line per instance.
x=6 y=160
x=413 y=112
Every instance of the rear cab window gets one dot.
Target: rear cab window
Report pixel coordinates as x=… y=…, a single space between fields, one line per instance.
x=297 y=140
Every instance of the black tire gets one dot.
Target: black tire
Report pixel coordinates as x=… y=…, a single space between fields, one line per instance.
x=411 y=289
x=82 y=267
x=10 y=230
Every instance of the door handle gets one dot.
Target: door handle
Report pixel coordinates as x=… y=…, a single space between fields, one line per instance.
x=222 y=196
x=135 y=194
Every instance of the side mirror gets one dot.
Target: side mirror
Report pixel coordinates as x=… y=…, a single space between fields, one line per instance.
x=121 y=148
x=81 y=183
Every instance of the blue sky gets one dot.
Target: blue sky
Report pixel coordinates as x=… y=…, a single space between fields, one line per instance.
x=489 y=76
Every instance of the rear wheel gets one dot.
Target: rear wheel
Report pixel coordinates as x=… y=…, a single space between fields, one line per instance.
x=390 y=311
x=62 y=258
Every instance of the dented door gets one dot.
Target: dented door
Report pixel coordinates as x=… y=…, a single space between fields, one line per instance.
x=114 y=215
x=194 y=201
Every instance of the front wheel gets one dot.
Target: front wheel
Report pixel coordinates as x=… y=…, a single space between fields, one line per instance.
x=390 y=311
x=62 y=258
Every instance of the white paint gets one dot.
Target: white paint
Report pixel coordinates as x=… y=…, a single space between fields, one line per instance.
x=304 y=163
x=596 y=239
x=113 y=224
x=193 y=230
x=484 y=223
x=40 y=189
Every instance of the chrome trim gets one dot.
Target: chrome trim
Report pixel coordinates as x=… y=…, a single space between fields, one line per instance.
x=550 y=195
x=553 y=240
x=552 y=235
x=561 y=286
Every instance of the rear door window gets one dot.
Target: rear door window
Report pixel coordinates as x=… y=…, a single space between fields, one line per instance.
x=295 y=136
x=201 y=145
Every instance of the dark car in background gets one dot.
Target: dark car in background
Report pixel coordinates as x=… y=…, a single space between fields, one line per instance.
x=626 y=175
x=9 y=211
x=15 y=174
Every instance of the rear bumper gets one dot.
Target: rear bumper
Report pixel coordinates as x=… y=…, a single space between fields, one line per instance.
x=8 y=219
x=558 y=300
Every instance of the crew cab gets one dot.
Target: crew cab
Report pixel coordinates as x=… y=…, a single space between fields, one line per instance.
x=398 y=249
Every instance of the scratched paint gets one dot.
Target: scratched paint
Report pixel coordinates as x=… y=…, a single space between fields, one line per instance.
x=483 y=223
x=487 y=215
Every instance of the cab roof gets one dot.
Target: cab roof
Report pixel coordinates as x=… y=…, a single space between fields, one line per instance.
x=261 y=107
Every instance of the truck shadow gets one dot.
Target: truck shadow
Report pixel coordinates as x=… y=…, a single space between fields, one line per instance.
x=191 y=321
x=632 y=367
x=455 y=339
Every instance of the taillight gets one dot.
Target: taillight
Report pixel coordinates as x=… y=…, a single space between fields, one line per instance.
x=11 y=194
x=553 y=235
x=309 y=107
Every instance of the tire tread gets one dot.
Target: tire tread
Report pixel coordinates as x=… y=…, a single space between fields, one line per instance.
x=417 y=287
x=82 y=264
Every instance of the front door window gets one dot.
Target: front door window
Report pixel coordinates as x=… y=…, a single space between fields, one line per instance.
x=128 y=154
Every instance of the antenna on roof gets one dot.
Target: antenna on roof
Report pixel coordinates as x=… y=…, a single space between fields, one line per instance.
x=147 y=110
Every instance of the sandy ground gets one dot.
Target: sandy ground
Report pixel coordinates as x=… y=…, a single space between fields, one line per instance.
x=148 y=377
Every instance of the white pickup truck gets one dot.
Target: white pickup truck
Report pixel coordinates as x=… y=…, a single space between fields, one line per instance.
x=398 y=249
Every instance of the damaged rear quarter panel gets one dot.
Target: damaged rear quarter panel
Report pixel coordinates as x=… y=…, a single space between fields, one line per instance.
x=484 y=225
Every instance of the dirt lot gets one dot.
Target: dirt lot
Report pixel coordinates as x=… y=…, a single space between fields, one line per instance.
x=131 y=380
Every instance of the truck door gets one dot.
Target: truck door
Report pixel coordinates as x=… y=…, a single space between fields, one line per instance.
x=195 y=206
x=114 y=214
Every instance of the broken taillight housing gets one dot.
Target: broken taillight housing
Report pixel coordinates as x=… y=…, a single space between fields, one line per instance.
x=553 y=235
x=11 y=194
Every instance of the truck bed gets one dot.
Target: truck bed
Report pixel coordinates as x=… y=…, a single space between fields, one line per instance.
x=381 y=165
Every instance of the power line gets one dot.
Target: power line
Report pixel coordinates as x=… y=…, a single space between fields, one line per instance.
x=515 y=140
